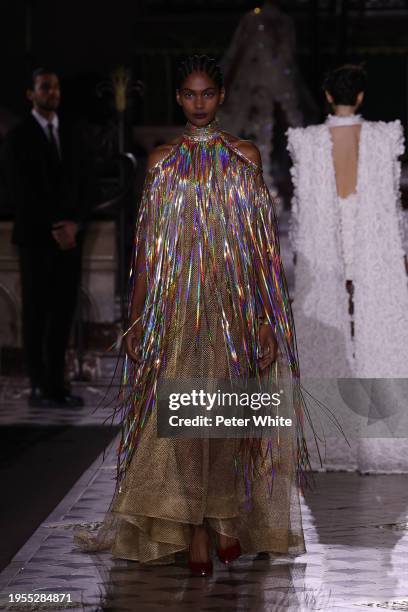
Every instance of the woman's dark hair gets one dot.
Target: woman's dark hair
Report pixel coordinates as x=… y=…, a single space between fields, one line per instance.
x=199 y=63
x=345 y=83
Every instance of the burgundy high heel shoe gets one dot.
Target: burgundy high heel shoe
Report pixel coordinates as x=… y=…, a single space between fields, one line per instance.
x=228 y=555
x=200 y=568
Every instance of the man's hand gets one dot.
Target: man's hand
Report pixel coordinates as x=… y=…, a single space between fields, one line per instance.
x=132 y=342
x=268 y=345
x=64 y=233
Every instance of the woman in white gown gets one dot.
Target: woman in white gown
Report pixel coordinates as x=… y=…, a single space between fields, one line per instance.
x=351 y=294
x=260 y=74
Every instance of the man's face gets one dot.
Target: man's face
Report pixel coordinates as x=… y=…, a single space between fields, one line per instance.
x=45 y=94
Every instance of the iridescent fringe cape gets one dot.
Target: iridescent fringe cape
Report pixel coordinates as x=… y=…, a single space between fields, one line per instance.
x=245 y=212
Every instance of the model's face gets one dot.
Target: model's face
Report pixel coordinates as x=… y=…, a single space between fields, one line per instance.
x=199 y=98
x=46 y=93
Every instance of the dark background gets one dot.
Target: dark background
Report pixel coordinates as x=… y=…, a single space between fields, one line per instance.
x=85 y=40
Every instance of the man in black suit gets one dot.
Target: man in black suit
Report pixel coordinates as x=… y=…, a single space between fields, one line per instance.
x=43 y=165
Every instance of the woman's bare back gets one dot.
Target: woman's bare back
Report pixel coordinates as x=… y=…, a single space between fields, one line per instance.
x=346 y=143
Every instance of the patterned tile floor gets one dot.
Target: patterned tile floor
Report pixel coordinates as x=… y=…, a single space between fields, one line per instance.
x=356 y=530
x=97 y=395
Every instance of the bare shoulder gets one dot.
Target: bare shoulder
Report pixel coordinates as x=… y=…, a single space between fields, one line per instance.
x=247 y=148
x=160 y=152
x=250 y=150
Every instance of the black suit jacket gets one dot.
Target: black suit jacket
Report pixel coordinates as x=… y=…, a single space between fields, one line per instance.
x=42 y=189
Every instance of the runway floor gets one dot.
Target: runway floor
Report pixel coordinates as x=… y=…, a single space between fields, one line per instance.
x=356 y=531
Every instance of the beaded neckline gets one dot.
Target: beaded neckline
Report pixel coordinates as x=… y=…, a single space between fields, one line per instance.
x=335 y=120
x=202 y=134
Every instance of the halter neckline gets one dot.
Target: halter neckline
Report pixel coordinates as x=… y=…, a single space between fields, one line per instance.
x=201 y=134
x=338 y=120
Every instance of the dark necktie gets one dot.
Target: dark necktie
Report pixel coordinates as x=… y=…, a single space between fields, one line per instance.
x=53 y=142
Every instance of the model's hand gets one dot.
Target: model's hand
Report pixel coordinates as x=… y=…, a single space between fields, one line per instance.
x=64 y=233
x=268 y=345
x=132 y=342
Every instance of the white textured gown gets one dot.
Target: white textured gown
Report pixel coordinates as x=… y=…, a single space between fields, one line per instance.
x=362 y=237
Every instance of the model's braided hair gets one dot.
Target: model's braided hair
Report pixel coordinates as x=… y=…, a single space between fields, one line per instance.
x=199 y=63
